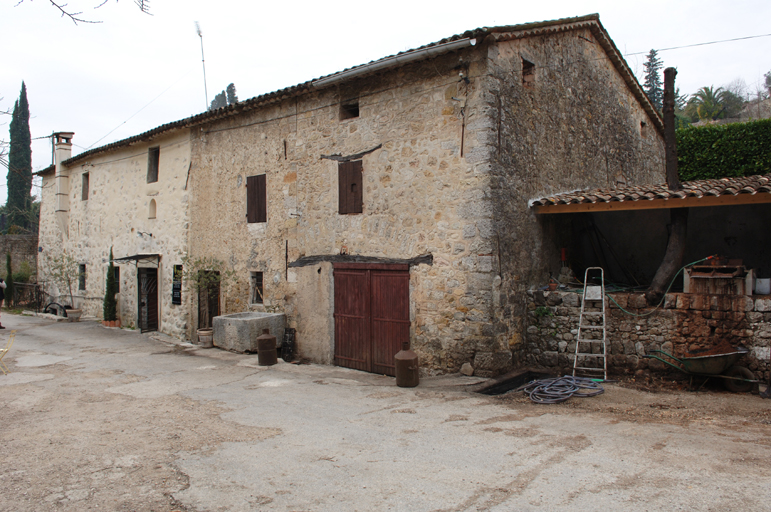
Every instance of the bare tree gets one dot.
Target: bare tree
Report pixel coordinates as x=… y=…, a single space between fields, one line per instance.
x=75 y=16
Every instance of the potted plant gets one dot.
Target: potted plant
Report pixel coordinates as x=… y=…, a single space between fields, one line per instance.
x=63 y=270
x=206 y=275
x=110 y=305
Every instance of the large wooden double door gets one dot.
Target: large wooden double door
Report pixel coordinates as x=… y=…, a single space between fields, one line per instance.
x=372 y=315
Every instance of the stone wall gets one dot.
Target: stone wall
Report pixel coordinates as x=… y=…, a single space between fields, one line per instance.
x=685 y=323
x=575 y=125
x=421 y=195
x=21 y=248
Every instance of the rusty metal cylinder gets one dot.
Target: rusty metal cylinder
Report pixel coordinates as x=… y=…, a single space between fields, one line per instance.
x=407 y=367
x=266 y=349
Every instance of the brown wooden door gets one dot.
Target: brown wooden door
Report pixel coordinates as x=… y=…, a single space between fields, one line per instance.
x=372 y=315
x=148 y=299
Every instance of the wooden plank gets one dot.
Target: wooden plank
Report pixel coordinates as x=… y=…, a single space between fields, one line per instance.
x=356 y=183
x=342 y=187
x=657 y=204
x=390 y=317
x=370 y=266
x=262 y=198
x=251 y=199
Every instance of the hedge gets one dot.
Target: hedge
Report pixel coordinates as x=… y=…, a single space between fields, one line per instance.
x=738 y=149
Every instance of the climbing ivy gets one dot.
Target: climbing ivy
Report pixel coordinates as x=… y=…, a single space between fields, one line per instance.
x=719 y=151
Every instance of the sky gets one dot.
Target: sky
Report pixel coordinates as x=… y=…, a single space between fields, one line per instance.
x=132 y=71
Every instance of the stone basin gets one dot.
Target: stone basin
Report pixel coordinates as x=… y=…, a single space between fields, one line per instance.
x=238 y=332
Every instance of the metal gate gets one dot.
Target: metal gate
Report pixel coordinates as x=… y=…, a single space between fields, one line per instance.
x=372 y=315
x=148 y=299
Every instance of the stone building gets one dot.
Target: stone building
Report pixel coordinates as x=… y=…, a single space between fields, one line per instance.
x=384 y=203
x=131 y=197
x=406 y=182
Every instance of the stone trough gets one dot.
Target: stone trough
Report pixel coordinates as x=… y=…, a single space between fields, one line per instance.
x=238 y=332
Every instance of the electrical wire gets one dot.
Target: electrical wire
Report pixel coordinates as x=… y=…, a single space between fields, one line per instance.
x=700 y=44
x=560 y=389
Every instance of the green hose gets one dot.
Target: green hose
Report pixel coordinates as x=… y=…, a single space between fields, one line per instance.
x=665 y=293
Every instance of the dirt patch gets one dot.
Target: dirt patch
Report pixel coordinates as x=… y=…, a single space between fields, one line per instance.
x=660 y=401
x=68 y=444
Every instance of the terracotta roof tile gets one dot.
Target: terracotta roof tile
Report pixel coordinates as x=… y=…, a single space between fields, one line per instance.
x=700 y=188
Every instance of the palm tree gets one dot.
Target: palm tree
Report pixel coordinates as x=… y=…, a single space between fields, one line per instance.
x=709 y=102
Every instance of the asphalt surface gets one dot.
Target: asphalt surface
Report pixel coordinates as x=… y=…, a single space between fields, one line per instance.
x=111 y=419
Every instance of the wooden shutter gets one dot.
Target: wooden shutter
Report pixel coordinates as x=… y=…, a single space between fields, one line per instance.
x=256 y=199
x=350 y=181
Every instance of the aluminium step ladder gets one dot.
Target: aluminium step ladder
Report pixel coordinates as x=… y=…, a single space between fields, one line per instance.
x=591 y=338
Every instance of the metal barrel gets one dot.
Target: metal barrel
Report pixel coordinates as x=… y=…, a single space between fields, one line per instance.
x=266 y=349
x=407 y=367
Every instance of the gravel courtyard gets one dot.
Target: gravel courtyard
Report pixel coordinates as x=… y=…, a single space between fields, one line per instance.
x=108 y=419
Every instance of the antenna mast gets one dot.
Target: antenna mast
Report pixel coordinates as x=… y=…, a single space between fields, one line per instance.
x=203 y=63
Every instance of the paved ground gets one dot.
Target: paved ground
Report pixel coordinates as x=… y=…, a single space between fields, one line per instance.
x=107 y=419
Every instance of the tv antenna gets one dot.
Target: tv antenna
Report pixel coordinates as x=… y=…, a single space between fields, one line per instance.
x=203 y=63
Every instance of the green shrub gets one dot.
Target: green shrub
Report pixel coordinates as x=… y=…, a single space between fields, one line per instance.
x=727 y=150
x=24 y=273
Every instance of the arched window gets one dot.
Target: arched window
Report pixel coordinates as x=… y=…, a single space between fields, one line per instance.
x=151 y=213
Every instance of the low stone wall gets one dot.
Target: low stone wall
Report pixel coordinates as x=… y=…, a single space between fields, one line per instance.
x=685 y=323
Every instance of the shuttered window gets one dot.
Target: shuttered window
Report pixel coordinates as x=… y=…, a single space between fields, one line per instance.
x=256 y=199
x=349 y=180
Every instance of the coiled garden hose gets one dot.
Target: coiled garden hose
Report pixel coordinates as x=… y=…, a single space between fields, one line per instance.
x=559 y=389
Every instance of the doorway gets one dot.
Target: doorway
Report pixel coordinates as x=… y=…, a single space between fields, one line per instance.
x=148 y=299
x=372 y=315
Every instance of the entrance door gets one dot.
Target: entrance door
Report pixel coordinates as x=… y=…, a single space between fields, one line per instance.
x=148 y=299
x=372 y=315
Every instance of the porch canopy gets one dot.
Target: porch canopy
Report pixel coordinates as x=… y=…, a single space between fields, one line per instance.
x=716 y=192
x=136 y=258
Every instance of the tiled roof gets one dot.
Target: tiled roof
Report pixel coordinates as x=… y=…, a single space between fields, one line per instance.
x=690 y=189
x=501 y=33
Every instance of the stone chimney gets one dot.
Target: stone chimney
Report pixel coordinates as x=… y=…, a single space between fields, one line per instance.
x=62 y=151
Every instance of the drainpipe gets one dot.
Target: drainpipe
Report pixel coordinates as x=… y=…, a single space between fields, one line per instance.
x=62 y=151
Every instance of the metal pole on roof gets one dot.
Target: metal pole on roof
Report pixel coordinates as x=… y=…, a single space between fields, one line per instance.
x=203 y=63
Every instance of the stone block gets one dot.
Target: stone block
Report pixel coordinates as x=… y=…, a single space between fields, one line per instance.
x=763 y=305
x=754 y=317
x=742 y=303
x=490 y=364
x=683 y=301
x=637 y=301
x=553 y=299
x=562 y=346
x=239 y=332
x=699 y=302
x=572 y=300
x=670 y=301
x=467 y=369
x=621 y=298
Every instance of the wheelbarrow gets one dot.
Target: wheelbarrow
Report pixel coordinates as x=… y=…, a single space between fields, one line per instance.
x=735 y=378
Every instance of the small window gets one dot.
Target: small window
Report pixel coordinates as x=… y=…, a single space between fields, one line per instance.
x=117 y=279
x=256 y=199
x=643 y=129
x=349 y=183
x=153 y=159
x=82 y=276
x=349 y=109
x=84 y=189
x=257 y=291
x=528 y=73
x=151 y=212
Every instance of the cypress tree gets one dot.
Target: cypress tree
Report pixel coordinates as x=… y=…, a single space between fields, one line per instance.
x=110 y=306
x=19 y=178
x=9 y=295
x=652 y=85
